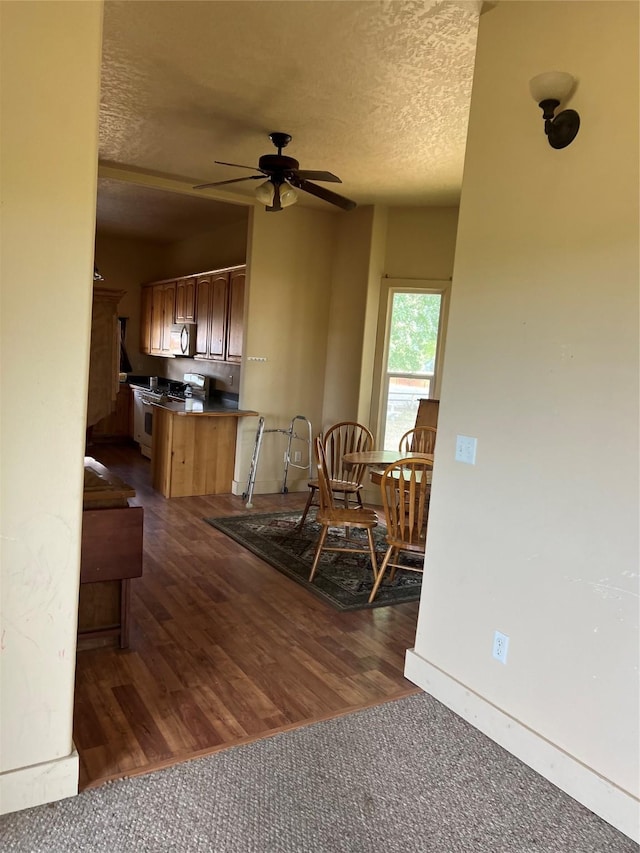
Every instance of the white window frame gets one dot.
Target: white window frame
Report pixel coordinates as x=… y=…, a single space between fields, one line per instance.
x=427 y=286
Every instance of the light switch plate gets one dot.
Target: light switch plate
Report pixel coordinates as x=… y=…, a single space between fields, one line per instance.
x=466 y=449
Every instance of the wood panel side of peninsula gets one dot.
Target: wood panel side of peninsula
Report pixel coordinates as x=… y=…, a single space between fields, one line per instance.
x=194 y=454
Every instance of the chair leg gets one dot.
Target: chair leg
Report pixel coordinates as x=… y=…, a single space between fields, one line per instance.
x=312 y=491
x=381 y=572
x=323 y=536
x=372 y=549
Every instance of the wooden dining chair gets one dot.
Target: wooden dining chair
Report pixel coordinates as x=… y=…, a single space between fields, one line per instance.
x=405 y=498
x=420 y=439
x=346 y=518
x=346 y=481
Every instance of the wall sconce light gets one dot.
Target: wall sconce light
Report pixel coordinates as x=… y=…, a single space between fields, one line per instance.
x=276 y=196
x=548 y=91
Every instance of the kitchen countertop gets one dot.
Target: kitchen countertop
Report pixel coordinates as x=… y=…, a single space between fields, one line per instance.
x=207 y=408
x=217 y=405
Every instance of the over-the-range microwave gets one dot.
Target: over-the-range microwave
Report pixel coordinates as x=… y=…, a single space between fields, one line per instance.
x=182 y=340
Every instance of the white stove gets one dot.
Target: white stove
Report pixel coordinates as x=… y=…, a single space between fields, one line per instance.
x=193 y=391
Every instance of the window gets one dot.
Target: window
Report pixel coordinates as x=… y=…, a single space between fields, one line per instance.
x=412 y=357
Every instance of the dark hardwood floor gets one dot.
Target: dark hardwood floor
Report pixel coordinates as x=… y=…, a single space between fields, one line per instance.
x=224 y=649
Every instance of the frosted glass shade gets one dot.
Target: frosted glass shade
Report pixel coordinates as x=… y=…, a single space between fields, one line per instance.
x=265 y=193
x=551 y=85
x=288 y=195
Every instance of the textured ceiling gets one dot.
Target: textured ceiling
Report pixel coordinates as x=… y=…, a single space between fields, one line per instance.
x=376 y=92
x=152 y=214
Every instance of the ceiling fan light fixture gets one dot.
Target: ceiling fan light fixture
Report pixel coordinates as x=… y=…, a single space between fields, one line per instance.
x=265 y=193
x=288 y=195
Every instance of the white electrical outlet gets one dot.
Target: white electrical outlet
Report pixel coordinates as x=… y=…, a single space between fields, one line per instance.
x=466 y=449
x=500 y=646
x=297 y=456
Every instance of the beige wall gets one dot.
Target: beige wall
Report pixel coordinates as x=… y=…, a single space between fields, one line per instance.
x=50 y=59
x=540 y=539
x=225 y=246
x=346 y=296
x=367 y=400
x=287 y=309
x=421 y=242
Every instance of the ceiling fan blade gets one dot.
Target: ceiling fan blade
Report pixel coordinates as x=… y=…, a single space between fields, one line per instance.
x=324 y=194
x=232 y=181
x=237 y=165
x=310 y=175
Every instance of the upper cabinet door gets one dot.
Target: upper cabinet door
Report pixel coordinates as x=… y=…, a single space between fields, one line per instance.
x=220 y=285
x=157 y=319
x=186 y=300
x=146 y=304
x=203 y=315
x=236 y=315
x=168 y=315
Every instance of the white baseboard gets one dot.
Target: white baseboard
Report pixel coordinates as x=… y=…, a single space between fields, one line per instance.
x=613 y=804
x=40 y=783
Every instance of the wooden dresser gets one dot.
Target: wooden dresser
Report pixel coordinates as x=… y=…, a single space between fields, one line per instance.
x=111 y=554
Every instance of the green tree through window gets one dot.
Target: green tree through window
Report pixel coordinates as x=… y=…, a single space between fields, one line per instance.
x=414 y=332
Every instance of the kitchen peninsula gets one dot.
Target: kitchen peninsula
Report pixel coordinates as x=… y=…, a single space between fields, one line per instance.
x=194 y=447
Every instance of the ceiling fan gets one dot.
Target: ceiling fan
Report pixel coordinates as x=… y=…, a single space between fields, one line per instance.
x=282 y=175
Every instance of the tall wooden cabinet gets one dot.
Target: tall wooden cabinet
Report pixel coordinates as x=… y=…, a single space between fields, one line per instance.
x=213 y=300
x=104 y=361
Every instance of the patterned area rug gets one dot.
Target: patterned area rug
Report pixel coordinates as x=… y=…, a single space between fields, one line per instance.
x=342 y=579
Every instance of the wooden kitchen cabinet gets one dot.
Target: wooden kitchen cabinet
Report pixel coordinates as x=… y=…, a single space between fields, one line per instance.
x=213 y=300
x=163 y=302
x=194 y=454
x=235 y=331
x=211 y=315
x=203 y=300
x=220 y=314
x=145 y=319
x=186 y=300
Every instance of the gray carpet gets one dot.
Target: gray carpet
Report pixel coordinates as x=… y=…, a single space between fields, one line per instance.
x=405 y=776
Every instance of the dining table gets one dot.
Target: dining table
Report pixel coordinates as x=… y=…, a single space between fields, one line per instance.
x=377 y=460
